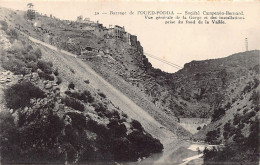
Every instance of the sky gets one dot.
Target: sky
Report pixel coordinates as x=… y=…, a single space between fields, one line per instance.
x=175 y=43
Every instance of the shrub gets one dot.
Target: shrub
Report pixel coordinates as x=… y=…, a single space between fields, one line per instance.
x=102 y=94
x=13 y=35
x=19 y=95
x=72 y=70
x=30 y=56
x=73 y=103
x=212 y=137
x=38 y=53
x=247 y=116
x=46 y=76
x=14 y=65
x=71 y=85
x=97 y=128
x=255 y=98
x=99 y=107
x=86 y=81
x=84 y=96
x=199 y=128
x=59 y=80
x=32 y=65
x=241 y=126
x=253 y=138
x=144 y=144
x=56 y=72
x=137 y=125
x=236 y=119
x=256 y=68
x=124 y=115
x=29 y=48
x=4 y=25
x=117 y=129
x=46 y=67
x=245 y=110
x=78 y=120
x=88 y=97
x=218 y=113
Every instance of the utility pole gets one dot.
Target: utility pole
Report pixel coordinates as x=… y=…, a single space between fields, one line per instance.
x=246 y=44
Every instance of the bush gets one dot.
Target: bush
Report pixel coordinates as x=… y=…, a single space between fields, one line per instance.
x=99 y=107
x=59 y=80
x=137 y=125
x=88 y=97
x=46 y=67
x=99 y=129
x=247 y=116
x=124 y=115
x=4 y=25
x=72 y=70
x=218 y=113
x=117 y=129
x=236 y=119
x=15 y=66
x=56 y=72
x=255 y=98
x=30 y=57
x=73 y=103
x=71 y=85
x=13 y=35
x=144 y=144
x=84 y=96
x=38 y=53
x=212 y=137
x=46 y=76
x=86 y=81
x=102 y=94
x=19 y=95
x=32 y=65
x=78 y=120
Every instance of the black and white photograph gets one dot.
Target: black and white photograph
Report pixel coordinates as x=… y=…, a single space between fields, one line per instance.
x=120 y=82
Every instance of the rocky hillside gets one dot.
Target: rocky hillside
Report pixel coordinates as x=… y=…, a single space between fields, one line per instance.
x=194 y=91
x=50 y=115
x=226 y=90
x=120 y=63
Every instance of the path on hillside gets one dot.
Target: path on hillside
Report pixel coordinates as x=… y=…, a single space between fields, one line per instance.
x=169 y=139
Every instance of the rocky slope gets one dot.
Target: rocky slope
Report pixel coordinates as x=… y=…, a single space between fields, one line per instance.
x=115 y=60
x=50 y=115
x=194 y=91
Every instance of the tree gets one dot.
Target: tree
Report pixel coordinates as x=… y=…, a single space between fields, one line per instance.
x=19 y=95
x=218 y=113
x=30 y=5
x=212 y=136
x=30 y=12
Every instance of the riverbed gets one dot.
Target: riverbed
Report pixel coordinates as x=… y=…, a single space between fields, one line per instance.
x=177 y=152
